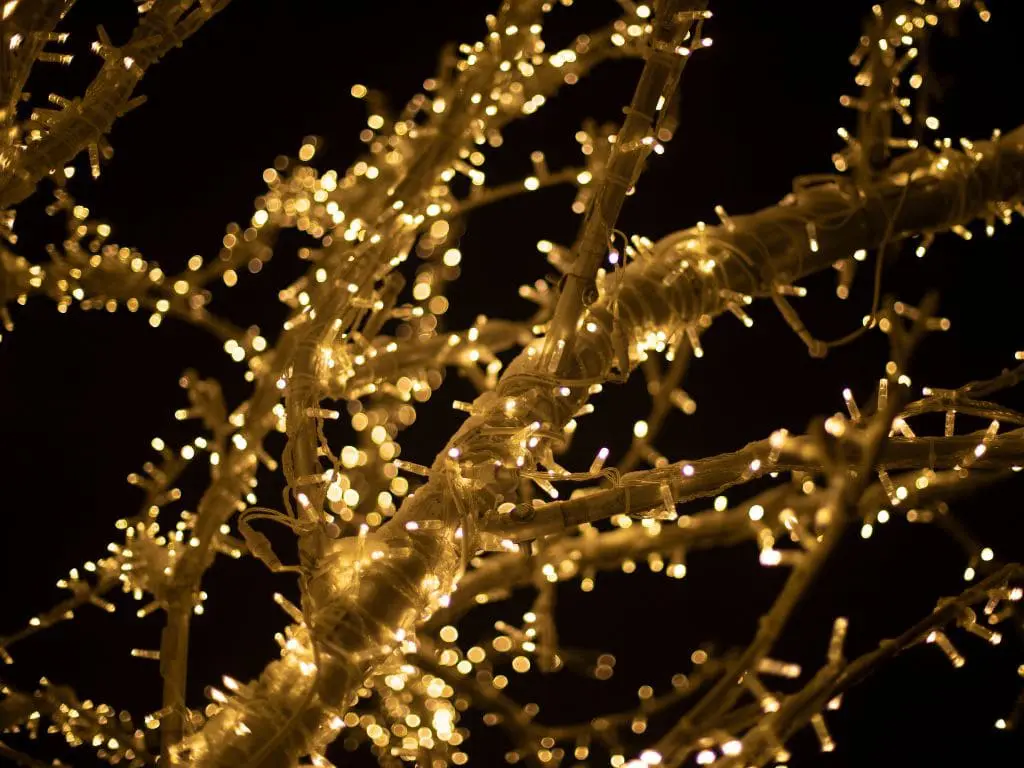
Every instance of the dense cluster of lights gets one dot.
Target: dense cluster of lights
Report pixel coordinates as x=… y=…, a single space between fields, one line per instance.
x=392 y=551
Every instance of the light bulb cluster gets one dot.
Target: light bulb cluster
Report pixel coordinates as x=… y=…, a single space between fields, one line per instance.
x=394 y=548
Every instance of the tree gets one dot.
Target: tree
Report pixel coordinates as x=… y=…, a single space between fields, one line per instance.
x=386 y=555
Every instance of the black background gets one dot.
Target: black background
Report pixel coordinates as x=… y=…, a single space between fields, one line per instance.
x=82 y=394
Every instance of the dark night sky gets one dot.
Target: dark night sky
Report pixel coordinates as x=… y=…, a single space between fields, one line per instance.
x=81 y=395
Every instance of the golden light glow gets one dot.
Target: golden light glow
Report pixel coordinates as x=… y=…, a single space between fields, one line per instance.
x=394 y=546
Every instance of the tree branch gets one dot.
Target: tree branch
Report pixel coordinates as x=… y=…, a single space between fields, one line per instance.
x=85 y=121
x=760 y=744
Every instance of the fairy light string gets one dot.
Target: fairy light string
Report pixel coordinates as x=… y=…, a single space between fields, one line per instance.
x=390 y=549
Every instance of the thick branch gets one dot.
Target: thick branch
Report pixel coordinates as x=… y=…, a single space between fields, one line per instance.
x=499 y=575
x=656 y=87
x=640 y=492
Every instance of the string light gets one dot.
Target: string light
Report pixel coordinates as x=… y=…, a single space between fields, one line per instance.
x=411 y=534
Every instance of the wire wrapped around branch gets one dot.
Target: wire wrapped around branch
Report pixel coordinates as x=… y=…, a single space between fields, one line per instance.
x=640 y=492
